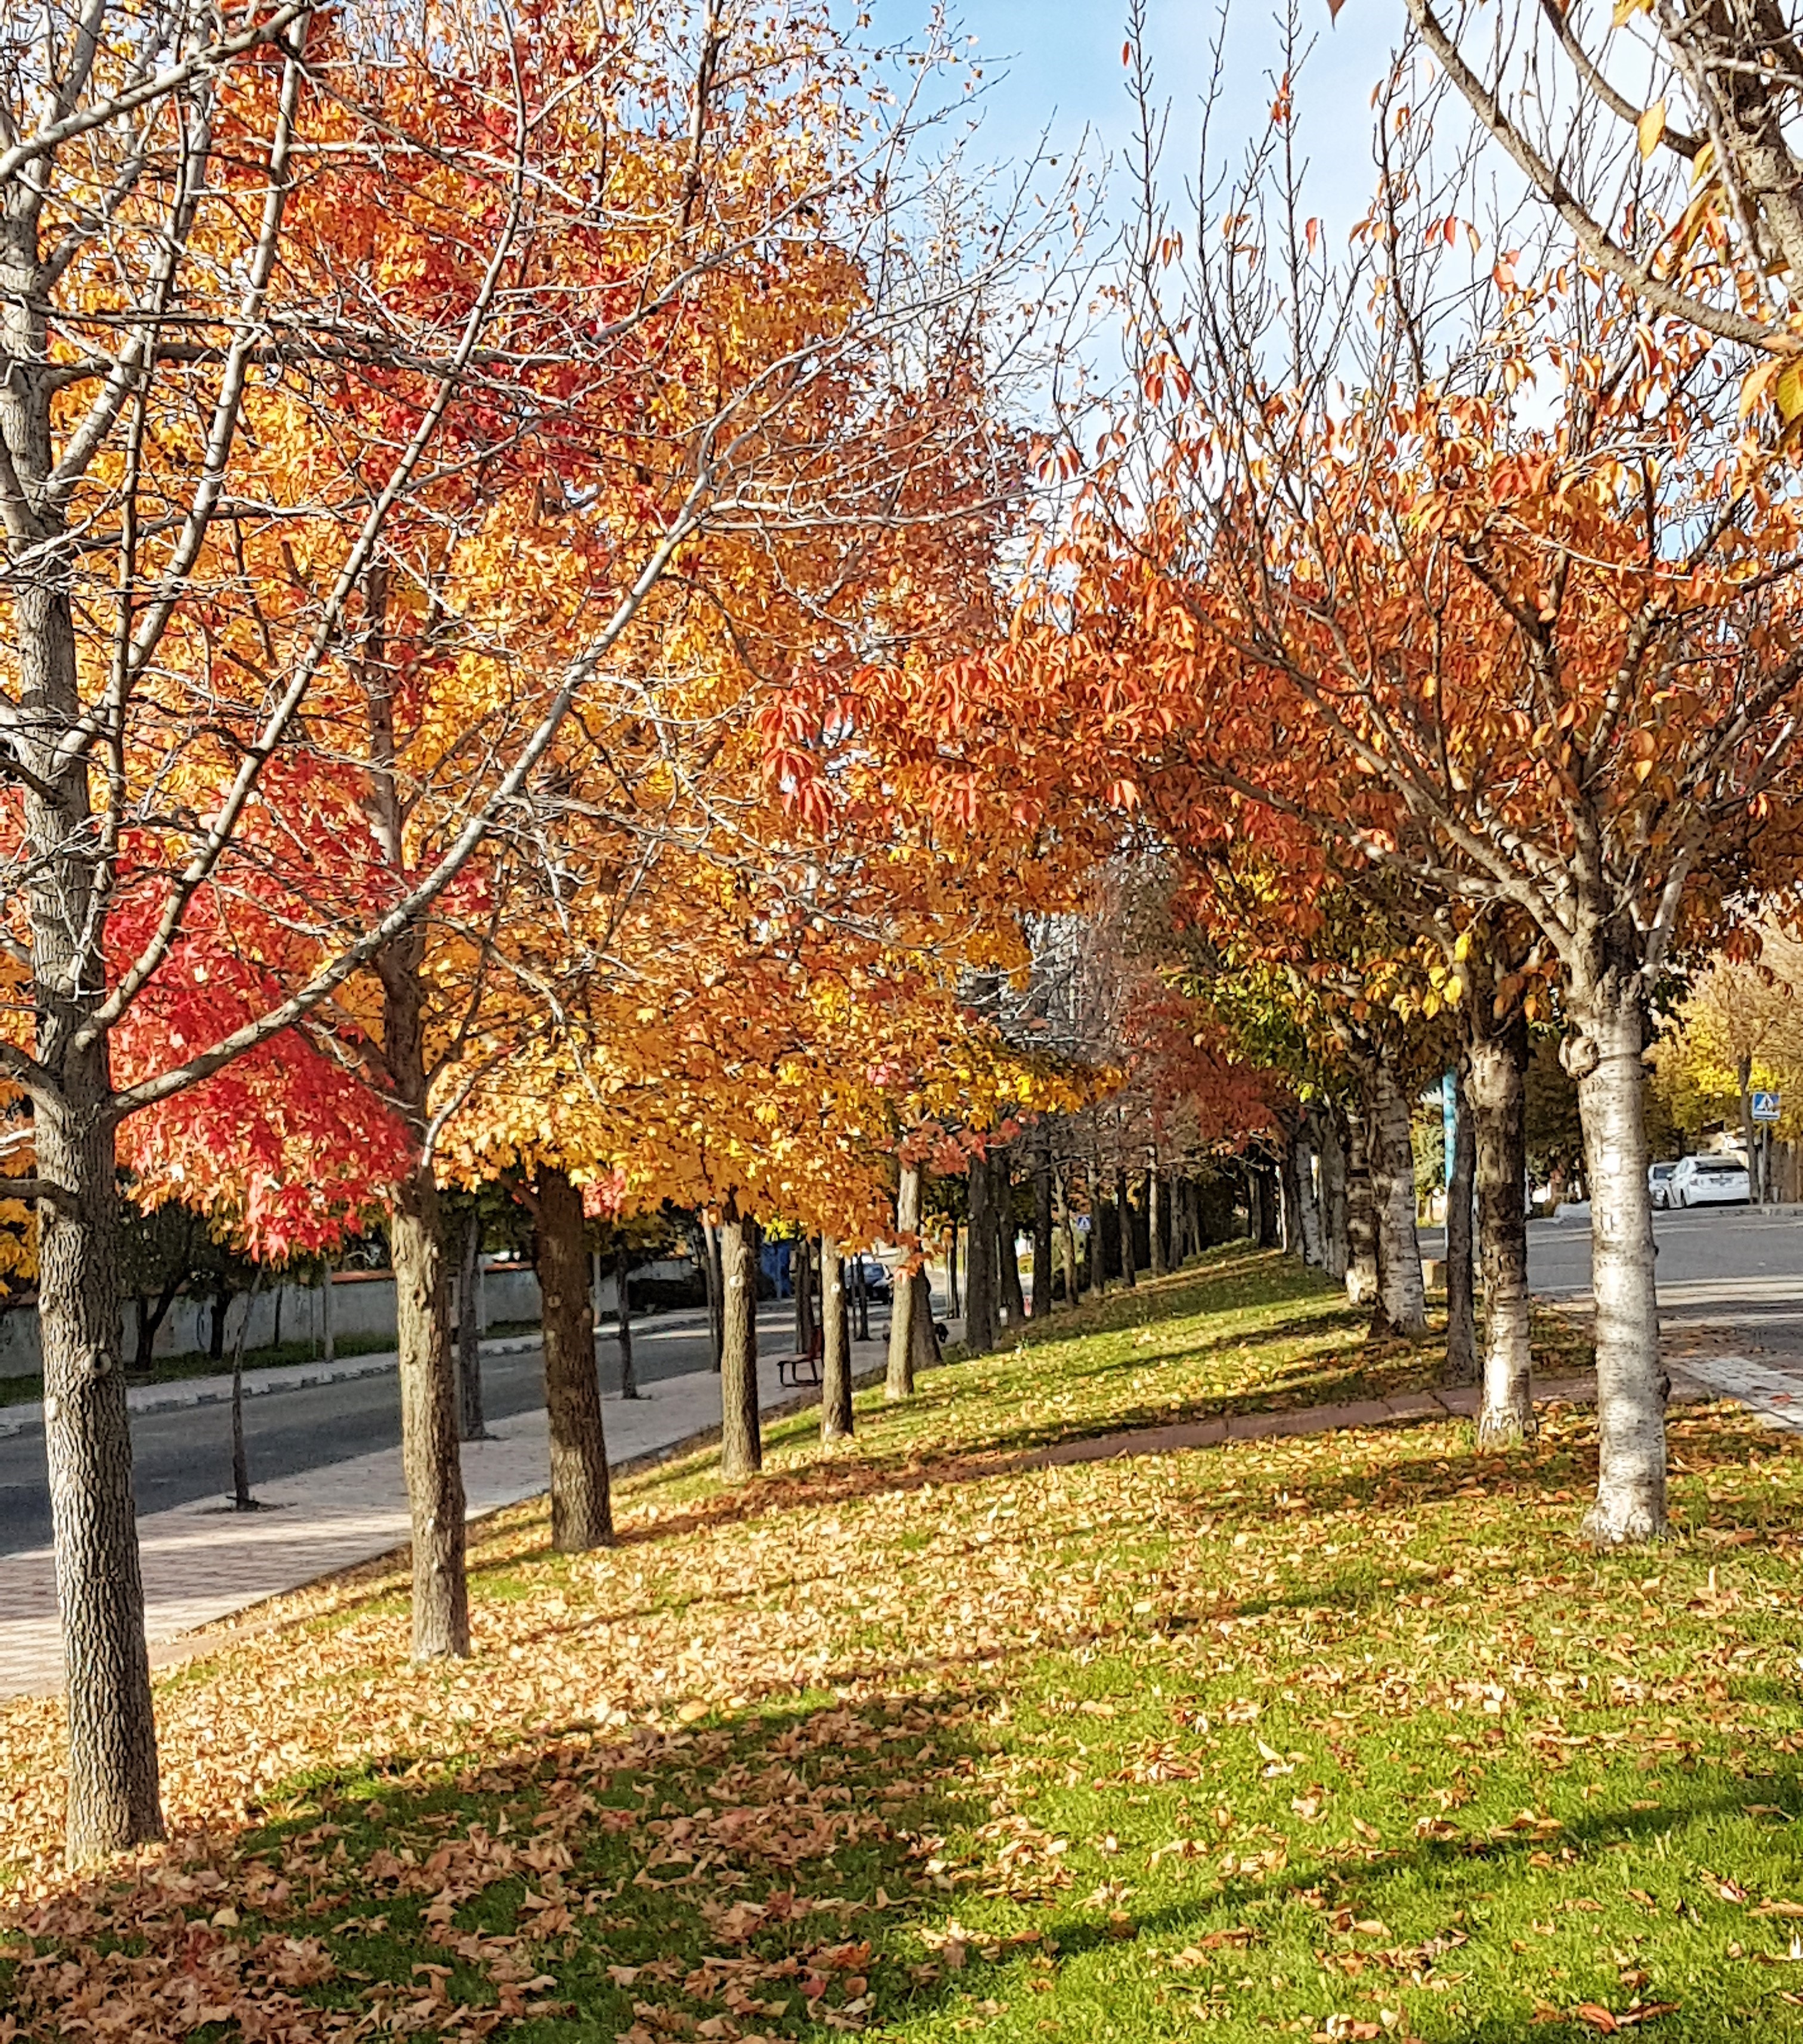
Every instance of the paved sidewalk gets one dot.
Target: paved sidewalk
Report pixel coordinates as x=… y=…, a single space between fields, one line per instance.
x=1771 y=1392
x=203 y=1562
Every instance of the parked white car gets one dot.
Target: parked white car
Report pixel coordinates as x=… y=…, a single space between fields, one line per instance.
x=1658 y=1183
x=1710 y=1182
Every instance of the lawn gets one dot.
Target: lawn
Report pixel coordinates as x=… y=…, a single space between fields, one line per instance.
x=1334 y=1738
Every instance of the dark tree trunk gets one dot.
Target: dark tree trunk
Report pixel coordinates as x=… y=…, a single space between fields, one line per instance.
x=716 y=1283
x=582 y=1512
x=149 y=1320
x=1461 y=1311
x=241 y=1498
x=1042 y=1230
x=980 y=1300
x=802 y=1274
x=954 y=1294
x=899 y=1383
x=1496 y=1092
x=741 y=1435
x=860 y=1298
x=1008 y=1263
x=1124 y=1224
x=469 y=1332
x=623 y=1310
x=836 y=1417
x=222 y=1300
x=1155 y=1220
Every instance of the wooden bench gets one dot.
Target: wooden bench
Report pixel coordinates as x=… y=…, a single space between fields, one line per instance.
x=789 y=1369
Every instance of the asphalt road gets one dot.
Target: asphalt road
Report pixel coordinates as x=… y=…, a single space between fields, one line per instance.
x=186 y=1454
x=1733 y=1271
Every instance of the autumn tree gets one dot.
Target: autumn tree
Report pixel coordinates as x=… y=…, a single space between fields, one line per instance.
x=313 y=341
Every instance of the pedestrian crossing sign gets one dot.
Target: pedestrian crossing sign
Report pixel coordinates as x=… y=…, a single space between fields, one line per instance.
x=1767 y=1106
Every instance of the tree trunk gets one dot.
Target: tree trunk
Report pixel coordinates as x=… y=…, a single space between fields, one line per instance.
x=836 y=1416
x=1067 y=1241
x=980 y=1271
x=1289 y=1202
x=1336 y=1254
x=1460 y=1307
x=1402 y=1303
x=329 y=1314
x=1461 y=1312
x=222 y=1300
x=1495 y=1094
x=1749 y=1134
x=801 y=1275
x=1361 y=1212
x=1124 y=1224
x=1008 y=1261
x=1042 y=1230
x=241 y=1498
x=905 y=1308
x=623 y=1315
x=113 y=1801
x=428 y=1369
x=469 y=1331
x=741 y=1435
x=1308 y=1192
x=716 y=1283
x=860 y=1298
x=582 y=1512
x=1604 y=1059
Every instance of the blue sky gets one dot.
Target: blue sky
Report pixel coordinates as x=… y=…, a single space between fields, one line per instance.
x=1058 y=63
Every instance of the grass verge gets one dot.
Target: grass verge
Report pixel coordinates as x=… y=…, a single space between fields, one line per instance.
x=1337 y=1737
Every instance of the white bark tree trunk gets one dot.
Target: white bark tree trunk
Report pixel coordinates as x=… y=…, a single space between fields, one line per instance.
x=1402 y=1299
x=1604 y=1059
x=1361 y=1217
x=1495 y=1092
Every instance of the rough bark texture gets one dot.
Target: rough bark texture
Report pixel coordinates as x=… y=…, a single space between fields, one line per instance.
x=1495 y=1092
x=1361 y=1272
x=1461 y=1308
x=741 y=1436
x=1604 y=1059
x=581 y=1514
x=422 y=1306
x=836 y=1417
x=114 y=1800
x=1042 y=1232
x=623 y=1314
x=469 y=1331
x=980 y=1302
x=899 y=1382
x=1402 y=1301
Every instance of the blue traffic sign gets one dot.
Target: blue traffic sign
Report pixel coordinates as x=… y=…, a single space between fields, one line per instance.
x=1767 y=1106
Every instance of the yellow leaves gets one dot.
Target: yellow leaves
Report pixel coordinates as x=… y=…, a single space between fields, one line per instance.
x=1650 y=127
x=1625 y=10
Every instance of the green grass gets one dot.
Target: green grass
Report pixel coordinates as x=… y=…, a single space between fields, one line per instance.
x=1330 y=1737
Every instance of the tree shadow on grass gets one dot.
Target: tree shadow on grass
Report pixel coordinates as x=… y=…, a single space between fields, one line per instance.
x=767 y=1873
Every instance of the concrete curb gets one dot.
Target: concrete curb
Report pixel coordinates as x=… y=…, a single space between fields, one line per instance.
x=186 y=1393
